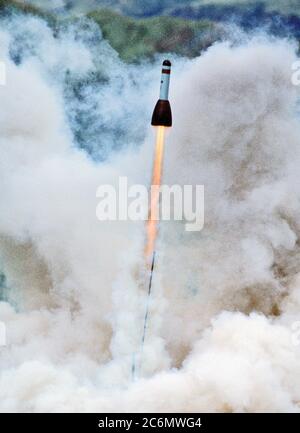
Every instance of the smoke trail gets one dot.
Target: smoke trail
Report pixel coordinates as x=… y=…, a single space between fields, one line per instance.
x=225 y=298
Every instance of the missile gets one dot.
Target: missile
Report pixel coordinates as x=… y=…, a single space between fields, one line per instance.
x=162 y=115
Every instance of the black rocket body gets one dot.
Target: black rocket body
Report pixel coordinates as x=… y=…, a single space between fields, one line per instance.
x=162 y=114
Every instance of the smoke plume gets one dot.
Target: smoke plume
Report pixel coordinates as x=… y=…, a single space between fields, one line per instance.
x=225 y=300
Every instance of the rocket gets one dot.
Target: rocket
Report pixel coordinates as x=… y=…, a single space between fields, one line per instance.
x=162 y=115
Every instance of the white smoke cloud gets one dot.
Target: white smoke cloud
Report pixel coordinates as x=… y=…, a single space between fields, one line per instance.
x=224 y=299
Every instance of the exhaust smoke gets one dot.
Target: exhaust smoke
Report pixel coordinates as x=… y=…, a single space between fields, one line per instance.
x=226 y=298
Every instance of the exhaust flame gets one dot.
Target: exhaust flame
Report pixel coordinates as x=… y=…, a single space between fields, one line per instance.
x=152 y=222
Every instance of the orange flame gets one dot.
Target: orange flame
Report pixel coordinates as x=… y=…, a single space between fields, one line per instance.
x=152 y=222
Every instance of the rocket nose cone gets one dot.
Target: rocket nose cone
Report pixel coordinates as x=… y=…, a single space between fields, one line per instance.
x=166 y=63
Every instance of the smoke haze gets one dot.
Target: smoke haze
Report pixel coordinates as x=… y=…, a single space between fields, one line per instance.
x=224 y=299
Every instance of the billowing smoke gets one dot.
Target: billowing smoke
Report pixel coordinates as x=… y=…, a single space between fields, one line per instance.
x=225 y=300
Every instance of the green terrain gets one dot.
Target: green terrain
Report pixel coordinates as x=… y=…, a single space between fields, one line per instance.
x=139 y=29
x=134 y=38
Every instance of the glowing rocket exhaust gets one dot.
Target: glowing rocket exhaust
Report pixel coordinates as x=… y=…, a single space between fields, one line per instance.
x=153 y=217
x=161 y=118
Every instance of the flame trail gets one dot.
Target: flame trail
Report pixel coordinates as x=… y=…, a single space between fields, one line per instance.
x=152 y=222
x=152 y=226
